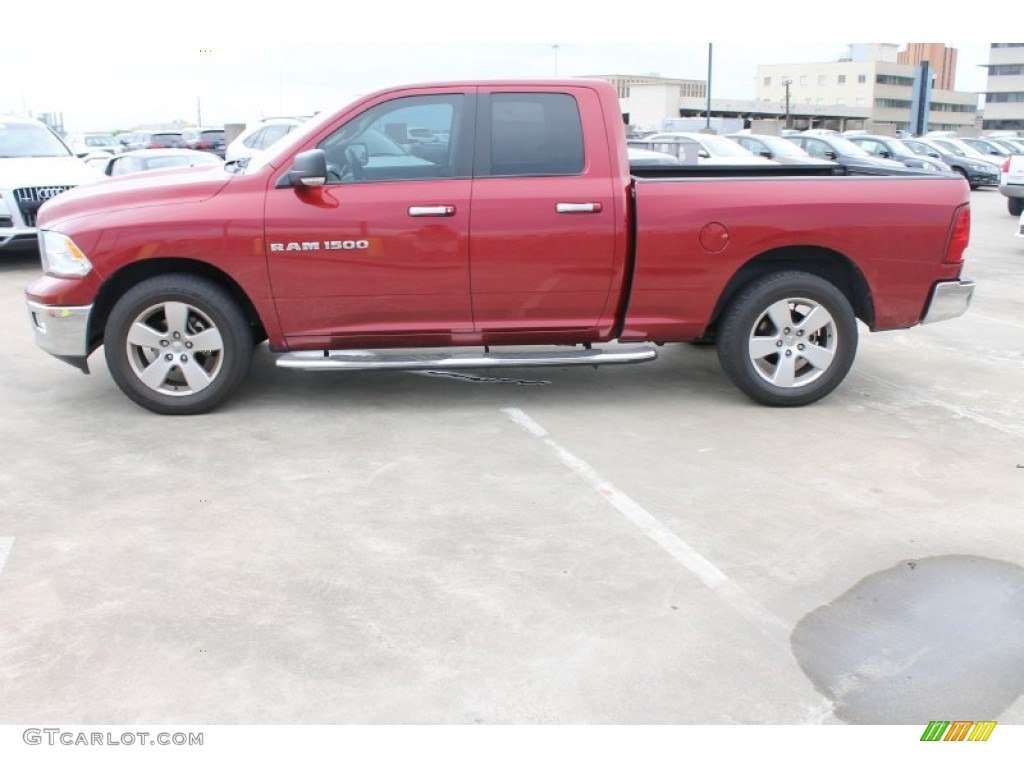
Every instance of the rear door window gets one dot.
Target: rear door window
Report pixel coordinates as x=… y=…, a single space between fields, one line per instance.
x=534 y=134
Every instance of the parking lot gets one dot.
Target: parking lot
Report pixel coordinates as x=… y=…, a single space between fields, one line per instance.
x=634 y=544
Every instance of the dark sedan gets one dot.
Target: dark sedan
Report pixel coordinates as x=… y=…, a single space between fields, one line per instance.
x=894 y=149
x=978 y=172
x=850 y=156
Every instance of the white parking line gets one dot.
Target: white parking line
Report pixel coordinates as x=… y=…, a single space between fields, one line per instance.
x=958 y=411
x=5 y=550
x=678 y=549
x=640 y=517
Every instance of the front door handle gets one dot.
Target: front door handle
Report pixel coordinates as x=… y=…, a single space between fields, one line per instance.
x=432 y=210
x=578 y=207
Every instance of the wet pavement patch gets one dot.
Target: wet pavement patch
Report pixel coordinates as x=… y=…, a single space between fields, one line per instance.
x=941 y=638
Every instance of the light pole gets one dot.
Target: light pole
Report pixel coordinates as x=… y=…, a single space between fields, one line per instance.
x=555 y=49
x=786 y=83
x=707 y=120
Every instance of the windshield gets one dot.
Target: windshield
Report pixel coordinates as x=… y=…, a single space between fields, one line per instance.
x=782 y=147
x=899 y=149
x=723 y=147
x=100 y=141
x=27 y=140
x=951 y=148
x=847 y=147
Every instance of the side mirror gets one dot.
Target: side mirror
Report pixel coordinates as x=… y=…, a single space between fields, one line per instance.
x=766 y=153
x=885 y=153
x=309 y=169
x=704 y=153
x=935 y=155
x=830 y=154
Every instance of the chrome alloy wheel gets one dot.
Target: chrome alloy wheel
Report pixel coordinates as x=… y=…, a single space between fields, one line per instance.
x=793 y=342
x=175 y=348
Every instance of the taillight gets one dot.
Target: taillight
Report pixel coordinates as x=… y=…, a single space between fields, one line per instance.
x=155 y=146
x=1006 y=165
x=204 y=145
x=959 y=237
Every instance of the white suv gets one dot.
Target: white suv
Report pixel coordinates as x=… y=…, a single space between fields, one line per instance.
x=258 y=136
x=35 y=165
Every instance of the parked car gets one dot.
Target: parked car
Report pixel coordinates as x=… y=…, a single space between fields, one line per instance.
x=776 y=148
x=206 y=140
x=534 y=231
x=639 y=158
x=988 y=148
x=260 y=135
x=894 y=149
x=83 y=144
x=849 y=155
x=1011 y=184
x=35 y=166
x=978 y=171
x=1014 y=145
x=704 y=148
x=152 y=159
x=162 y=139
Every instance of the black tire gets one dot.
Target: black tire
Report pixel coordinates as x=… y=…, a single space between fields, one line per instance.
x=967 y=178
x=1015 y=205
x=819 y=356
x=188 y=373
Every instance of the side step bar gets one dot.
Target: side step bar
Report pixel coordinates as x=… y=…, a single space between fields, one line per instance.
x=359 y=360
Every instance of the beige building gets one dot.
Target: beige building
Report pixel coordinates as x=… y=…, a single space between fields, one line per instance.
x=884 y=88
x=646 y=100
x=1004 y=91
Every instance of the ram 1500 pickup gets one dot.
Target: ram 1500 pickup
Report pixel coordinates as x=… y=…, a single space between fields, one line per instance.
x=497 y=215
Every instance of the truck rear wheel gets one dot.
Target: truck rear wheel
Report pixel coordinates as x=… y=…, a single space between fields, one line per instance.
x=177 y=344
x=788 y=339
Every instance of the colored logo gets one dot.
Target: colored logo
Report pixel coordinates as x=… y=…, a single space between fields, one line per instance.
x=958 y=730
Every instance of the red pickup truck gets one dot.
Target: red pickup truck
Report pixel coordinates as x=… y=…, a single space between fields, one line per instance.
x=497 y=215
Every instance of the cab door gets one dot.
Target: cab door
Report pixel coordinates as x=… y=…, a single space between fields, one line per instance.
x=379 y=255
x=548 y=229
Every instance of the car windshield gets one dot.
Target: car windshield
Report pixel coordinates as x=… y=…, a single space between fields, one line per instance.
x=100 y=141
x=722 y=147
x=847 y=147
x=951 y=148
x=165 y=138
x=212 y=135
x=782 y=147
x=899 y=149
x=26 y=140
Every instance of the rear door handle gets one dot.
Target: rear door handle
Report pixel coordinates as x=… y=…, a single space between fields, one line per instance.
x=432 y=210
x=578 y=207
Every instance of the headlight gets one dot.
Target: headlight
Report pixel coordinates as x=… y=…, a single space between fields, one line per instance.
x=983 y=168
x=931 y=167
x=61 y=257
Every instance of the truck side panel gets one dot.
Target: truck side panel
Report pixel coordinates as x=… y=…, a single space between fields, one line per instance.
x=693 y=235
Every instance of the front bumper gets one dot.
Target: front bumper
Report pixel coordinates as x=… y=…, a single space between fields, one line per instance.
x=62 y=331
x=948 y=300
x=983 y=178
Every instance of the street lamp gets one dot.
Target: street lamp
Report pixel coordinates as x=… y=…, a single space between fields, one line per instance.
x=786 y=83
x=555 y=49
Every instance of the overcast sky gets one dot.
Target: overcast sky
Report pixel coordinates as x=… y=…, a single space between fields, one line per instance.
x=249 y=65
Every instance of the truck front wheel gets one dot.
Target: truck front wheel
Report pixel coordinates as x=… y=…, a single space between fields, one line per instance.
x=787 y=339
x=177 y=344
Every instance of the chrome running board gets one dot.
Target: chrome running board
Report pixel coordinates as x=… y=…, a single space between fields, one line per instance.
x=360 y=360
